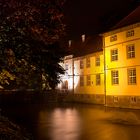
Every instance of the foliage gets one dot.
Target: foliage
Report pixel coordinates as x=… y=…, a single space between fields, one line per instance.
x=5 y=77
x=11 y=131
x=29 y=47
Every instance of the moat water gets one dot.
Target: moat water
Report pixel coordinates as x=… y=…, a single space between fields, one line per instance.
x=76 y=121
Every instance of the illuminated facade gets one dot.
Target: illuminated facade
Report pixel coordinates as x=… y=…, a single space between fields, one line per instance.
x=110 y=76
x=67 y=80
x=84 y=77
x=122 y=66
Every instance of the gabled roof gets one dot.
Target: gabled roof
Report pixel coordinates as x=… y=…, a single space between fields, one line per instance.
x=132 y=18
x=92 y=44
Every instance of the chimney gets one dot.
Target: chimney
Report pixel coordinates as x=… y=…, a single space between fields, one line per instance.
x=83 y=38
x=70 y=43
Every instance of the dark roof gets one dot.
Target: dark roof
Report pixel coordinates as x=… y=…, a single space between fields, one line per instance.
x=92 y=44
x=132 y=18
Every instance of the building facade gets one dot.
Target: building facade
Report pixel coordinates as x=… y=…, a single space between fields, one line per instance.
x=84 y=78
x=122 y=66
x=110 y=76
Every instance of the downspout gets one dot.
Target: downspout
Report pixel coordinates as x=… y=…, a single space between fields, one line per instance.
x=104 y=71
x=73 y=73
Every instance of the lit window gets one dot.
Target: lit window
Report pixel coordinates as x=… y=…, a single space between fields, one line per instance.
x=88 y=62
x=113 y=38
x=131 y=76
x=81 y=80
x=98 y=79
x=130 y=33
x=115 y=77
x=114 y=54
x=98 y=61
x=130 y=51
x=81 y=64
x=88 y=80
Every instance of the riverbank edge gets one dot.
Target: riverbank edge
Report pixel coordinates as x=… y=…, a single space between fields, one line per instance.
x=12 y=131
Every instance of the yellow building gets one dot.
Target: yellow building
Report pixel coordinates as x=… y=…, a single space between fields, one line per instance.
x=89 y=77
x=84 y=76
x=110 y=76
x=122 y=65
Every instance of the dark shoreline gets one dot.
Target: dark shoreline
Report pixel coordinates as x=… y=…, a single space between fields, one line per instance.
x=12 y=131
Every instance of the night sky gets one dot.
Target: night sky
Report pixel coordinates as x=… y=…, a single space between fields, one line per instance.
x=95 y=16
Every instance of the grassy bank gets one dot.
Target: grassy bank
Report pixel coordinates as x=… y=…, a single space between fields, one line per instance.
x=11 y=131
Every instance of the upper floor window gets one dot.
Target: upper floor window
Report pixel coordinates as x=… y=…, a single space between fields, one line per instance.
x=113 y=38
x=130 y=51
x=88 y=62
x=130 y=33
x=88 y=80
x=114 y=54
x=98 y=79
x=81 y=80
x=81 y=64
x=115 y=77
x=66 y=66
x=97 y=61
x=66 y=69
x=131 y=76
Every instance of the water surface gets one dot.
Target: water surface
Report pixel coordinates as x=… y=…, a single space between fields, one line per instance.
x=76 y=122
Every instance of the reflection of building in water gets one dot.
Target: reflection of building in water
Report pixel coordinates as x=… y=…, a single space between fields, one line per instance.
x=63 y=124
x=105 y=69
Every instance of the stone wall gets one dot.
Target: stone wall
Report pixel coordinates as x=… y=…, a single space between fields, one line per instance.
x=123 y=101
x=85 y=98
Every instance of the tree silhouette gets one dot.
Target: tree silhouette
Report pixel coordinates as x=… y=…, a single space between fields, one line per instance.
x=29 y=41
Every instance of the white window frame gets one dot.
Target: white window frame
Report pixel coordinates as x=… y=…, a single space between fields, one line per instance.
x=114 y=54
x=97 y=61
x=98 y=79
x=115 y=77
x=130 y=51
x=132 y=79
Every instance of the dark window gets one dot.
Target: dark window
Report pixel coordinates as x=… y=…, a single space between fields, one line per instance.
x=113 y=38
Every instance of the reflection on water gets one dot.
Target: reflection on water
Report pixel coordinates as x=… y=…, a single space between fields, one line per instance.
x=87 y=123
x=78 y=122
x=64 y=124
x=124 y=118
